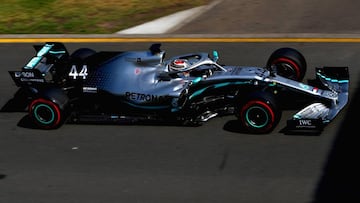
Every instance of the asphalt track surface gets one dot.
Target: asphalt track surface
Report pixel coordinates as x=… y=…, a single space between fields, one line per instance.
x=210 y=163
x=281 y=16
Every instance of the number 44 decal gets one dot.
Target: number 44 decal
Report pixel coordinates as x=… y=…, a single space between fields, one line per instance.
x=74 y=72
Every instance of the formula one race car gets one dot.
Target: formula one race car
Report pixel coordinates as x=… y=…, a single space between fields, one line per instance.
x=137 y=86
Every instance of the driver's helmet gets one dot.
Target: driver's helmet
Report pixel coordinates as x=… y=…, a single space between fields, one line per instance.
x=179 y=65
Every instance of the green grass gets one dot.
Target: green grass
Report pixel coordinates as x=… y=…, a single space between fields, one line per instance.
x=83 y=16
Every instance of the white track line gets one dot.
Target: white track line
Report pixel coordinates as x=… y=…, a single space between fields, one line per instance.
x=168 y=23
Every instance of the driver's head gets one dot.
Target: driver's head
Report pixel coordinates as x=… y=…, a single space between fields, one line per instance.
x=179 y=65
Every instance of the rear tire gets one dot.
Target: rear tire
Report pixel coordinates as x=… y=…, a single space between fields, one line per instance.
x=46 y=114
x=289 y=63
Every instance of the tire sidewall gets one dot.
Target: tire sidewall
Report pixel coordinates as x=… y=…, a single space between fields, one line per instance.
x=293 y=58
x=263 y=103
x=53 y=113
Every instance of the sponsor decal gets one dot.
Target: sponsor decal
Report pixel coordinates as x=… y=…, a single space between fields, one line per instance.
x=90 y=89
x=305 y=122
x=24 y=74
x=140 y=97
x=32 y=80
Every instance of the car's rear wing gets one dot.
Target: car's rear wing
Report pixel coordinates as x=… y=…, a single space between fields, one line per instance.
x=312 y=118
x=39 y=66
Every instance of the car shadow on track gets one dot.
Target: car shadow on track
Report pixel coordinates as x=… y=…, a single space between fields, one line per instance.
x=234 y=126
x=340 y=179
x=19 y=103
x=26 y=122
x=2 y=176
x=16 y=104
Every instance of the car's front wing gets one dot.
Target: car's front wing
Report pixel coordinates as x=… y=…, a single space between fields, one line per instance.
x=314 y=117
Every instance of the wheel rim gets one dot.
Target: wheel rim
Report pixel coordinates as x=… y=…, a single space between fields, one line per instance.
x=257 y=117
x=44 y=114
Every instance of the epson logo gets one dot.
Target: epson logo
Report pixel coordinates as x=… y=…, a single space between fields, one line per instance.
x=24 y=74
x=305 y=122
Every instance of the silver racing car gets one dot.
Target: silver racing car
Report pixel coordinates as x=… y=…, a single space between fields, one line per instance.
x=89 y=86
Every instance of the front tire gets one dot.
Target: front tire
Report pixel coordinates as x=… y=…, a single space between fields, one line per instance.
x=289 y=63
x=46 y=114
x=259 y=114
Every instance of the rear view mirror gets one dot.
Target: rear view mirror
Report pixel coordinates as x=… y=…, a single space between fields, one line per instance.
x=215 y=56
